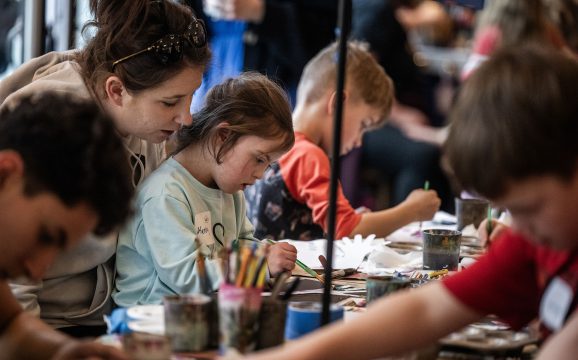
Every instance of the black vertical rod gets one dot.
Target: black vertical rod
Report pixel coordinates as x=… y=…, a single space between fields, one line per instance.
x=344 y=29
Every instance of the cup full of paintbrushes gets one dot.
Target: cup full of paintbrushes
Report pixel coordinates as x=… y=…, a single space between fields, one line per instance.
x=240 y=297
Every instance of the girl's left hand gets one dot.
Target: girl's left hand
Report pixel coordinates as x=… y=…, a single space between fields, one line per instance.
x=281 y=257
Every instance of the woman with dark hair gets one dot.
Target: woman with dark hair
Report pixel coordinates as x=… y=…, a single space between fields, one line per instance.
x=142 y=67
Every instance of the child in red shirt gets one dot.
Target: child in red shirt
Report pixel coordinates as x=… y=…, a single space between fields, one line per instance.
x=512 y=140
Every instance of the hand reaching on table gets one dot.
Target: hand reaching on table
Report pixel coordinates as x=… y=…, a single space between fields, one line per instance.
x=422 y=203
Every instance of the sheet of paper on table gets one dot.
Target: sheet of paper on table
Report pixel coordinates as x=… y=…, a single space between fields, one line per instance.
x=347 y=253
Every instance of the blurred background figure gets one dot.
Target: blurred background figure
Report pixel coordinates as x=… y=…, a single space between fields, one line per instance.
x=507 y=23
x=10 y=32
x=394 y=158
x=274 y=37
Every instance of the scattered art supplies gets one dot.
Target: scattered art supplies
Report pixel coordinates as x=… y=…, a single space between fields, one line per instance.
x=489 y=340
x=239 y=309
x=348 y=253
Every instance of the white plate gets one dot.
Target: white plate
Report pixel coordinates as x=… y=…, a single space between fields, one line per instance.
x=147 y=326
x=146 y=312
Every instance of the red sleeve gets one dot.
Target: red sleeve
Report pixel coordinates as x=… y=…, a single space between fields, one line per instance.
x=306 y=172
x=503 y=282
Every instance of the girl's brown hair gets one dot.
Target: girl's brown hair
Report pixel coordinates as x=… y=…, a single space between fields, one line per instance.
x=250 y=104
x=126 y=27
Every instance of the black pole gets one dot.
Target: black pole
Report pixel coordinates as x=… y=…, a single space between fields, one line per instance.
x=344 y=29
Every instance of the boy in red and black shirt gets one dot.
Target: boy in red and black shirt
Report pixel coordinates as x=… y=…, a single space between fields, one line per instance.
x=292 y=199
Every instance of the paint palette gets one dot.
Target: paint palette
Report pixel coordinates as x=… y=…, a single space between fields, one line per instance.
x=490 y=339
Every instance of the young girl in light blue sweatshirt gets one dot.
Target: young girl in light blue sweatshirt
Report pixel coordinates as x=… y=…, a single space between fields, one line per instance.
x=193 y=204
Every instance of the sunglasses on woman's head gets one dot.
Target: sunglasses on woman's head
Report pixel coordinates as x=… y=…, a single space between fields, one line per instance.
x=169 y=48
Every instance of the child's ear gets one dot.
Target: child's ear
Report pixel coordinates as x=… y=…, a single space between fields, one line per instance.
x=333 y=100
x=223 y=131
x=114 y=89
x=11 y=167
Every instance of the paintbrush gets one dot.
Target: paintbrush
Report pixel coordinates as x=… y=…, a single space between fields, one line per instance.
x=306 y=268
x=279 y=282
x=245 y=254
x=365 y=258
x=203 y=281
x=341 y=273
x=262 y=256
x=287 y=294
x=426 y=188
x=337 y=274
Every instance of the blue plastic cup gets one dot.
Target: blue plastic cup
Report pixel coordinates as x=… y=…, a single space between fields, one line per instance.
x=305 y=317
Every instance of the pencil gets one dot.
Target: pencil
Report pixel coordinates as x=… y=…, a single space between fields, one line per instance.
x=245 y=258
x=426 y=188
x=258 y=271
x=262 y=276
x=301 y=265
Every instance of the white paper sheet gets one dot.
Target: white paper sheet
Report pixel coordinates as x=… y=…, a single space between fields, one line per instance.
x=347 y=253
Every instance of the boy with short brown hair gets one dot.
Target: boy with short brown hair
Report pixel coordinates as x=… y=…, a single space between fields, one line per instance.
x=292 y=199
